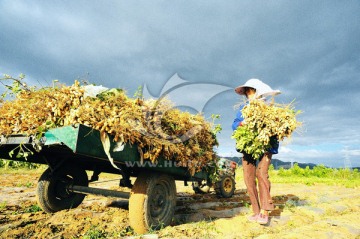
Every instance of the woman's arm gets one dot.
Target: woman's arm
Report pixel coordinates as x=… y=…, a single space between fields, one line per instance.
x=238 y=121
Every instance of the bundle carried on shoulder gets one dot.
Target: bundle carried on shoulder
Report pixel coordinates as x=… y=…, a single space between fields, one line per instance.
x=264 y=124
x=156 y=127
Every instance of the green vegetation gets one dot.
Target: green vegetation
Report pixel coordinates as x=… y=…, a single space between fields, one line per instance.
x=265 y=124
x=33 y=208
x=95 y=233
x=319 y=174
x=28 y=184
x=202 y=229
x=7 y=164
x=3 y=205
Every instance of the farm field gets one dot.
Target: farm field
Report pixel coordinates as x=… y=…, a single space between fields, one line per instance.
x=323 y=209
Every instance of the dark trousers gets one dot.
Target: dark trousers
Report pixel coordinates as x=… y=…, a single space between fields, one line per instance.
x=259 y=199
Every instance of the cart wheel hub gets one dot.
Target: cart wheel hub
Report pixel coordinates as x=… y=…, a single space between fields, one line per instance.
x=227 y=185
x=158 y=201
x=62 y=187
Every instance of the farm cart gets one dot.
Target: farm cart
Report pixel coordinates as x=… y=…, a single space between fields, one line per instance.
x=70 y=151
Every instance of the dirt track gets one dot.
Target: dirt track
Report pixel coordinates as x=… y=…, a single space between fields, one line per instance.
x=317 y=211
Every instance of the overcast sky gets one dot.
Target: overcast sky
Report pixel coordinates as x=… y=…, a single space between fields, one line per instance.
x=310 y=50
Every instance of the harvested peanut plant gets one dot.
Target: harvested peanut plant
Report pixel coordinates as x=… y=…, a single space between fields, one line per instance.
x=154 y=126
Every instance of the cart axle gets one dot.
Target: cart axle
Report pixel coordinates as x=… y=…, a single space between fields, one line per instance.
x=98 y=191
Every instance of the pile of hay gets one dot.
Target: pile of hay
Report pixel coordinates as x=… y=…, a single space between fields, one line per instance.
x=264 y=123
x=155 y=127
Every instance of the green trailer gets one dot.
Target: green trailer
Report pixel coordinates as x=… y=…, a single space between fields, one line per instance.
x=71 y=152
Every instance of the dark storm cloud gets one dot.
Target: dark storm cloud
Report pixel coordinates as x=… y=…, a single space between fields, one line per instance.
x=307 y=49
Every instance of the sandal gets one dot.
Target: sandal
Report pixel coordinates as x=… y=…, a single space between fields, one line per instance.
x=263 y=219
x=254 y=217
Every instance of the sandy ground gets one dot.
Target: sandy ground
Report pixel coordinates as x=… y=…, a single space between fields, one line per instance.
x=317 y=211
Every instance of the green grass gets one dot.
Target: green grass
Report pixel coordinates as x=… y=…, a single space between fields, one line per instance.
x=202 y=229
x=28 y=185
x=33 y=208
x=95 y=232
x=22 y=168
x=7 y=164
x=3 y=205
x=319 y=174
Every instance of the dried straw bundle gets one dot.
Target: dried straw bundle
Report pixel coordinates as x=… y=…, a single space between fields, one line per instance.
x=155 y=126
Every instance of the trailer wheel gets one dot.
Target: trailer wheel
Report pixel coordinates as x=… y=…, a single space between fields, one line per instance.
x=225 y=187
x=152 y=202
x=52 y=188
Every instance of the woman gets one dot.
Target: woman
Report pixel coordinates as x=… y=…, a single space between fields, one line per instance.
x=261 y=201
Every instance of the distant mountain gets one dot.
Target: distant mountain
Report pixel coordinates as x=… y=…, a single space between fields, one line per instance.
x=276 y=162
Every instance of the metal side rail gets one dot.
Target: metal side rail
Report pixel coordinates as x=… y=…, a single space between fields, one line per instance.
x=16 y=139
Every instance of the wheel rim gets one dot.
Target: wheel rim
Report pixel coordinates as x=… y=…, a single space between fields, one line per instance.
x=62 y=184
x=227 y=185
x=159 y=202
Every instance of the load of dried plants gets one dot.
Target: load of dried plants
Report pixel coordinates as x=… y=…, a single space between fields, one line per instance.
x=156 y=127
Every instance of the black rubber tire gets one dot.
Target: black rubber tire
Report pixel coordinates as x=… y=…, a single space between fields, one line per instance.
x=52 y=193
x=201 y=187
x=225 y=187
x=152 y=202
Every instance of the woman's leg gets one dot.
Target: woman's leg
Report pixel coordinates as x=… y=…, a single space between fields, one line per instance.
x=249 y=167
x=264 y=182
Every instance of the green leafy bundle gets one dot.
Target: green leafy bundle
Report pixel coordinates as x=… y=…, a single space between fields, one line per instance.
x=263 y=123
